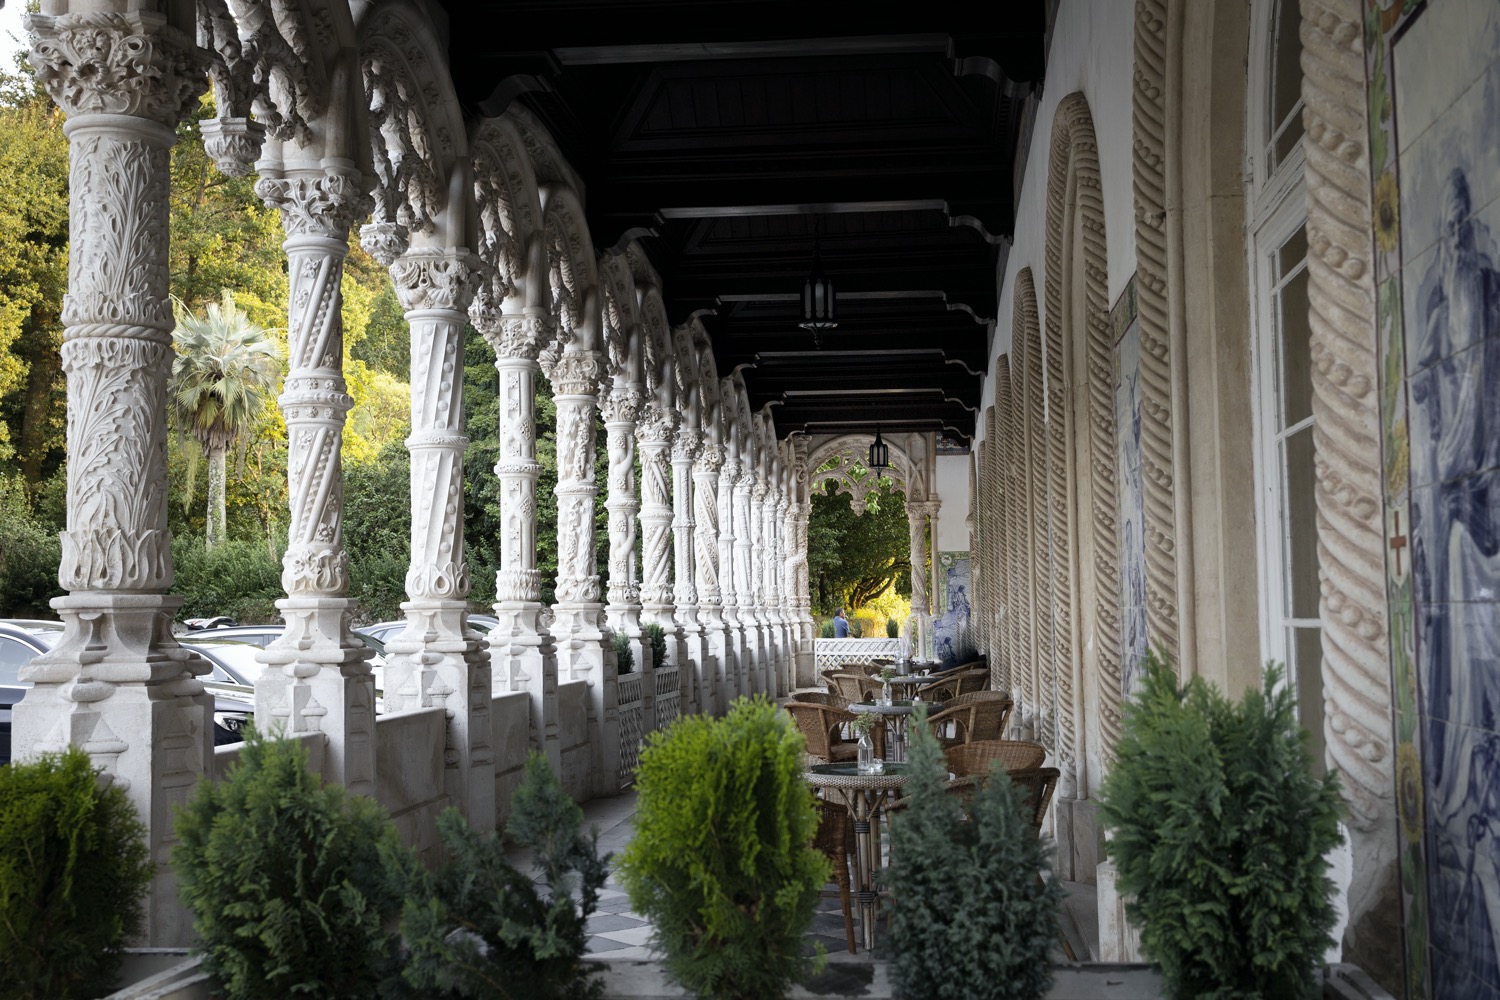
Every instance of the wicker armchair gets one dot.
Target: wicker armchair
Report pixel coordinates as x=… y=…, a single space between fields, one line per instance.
x=980 y=715
x=956 y=682
x=1039 y=783
x=821 y=698
x=855 y=687
x=973 y=759
x=823 y=728
x=835 y=838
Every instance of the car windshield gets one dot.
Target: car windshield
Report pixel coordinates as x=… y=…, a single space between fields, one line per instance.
x=233 y=662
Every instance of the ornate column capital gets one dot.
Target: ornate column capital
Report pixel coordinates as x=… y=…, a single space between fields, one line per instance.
x=437 y=279
x=324 y=205
x=710 y=458
x=578 y=373
x=133 y=64
x=520 y=337
x=623 y=403
x=685 y=443
x=656 y=425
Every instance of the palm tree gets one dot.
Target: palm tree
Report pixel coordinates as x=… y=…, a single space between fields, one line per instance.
x=225 y=369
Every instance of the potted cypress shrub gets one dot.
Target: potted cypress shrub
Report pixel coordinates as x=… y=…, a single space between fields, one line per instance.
x=1220 y=832
x=722 y=862
x=74 y=867
x=971 y=916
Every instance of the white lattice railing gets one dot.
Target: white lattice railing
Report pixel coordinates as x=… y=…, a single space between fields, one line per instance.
x=830 y=654
x=668 y=697
x=632 y=712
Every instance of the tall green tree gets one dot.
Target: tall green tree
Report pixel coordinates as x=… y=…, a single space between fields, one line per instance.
x=226 y=368
x=853 y=557
x=33 y=276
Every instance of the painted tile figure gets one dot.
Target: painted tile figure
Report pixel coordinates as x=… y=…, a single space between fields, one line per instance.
x=1450 y=206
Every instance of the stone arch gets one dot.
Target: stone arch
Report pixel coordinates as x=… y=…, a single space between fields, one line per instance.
x=572 y=271
x=851 y=450
x=417 y=137
x=622 y=341
x=1035 y=559
x=1082 y=471
x=509 y=209
x=658 y=353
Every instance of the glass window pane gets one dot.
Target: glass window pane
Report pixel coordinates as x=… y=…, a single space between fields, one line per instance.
x=1286 y=80
x=1301 y=524
x=1291 y=253
x=1296 y=352
x=1307 y=645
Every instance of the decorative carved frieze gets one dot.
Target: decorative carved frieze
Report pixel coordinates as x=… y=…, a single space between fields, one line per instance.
x=265 y=58
x=325 y=204
x=406 y=148
x=437 y=279
x=131 y=63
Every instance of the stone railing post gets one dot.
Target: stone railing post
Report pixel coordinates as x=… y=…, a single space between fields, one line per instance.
x=117 y=684
x=654 y=432
x=522 y=654
x=744 y=581
x=622 y=409
x=437 y=660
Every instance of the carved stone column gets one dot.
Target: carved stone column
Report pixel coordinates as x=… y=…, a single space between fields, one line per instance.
x=437 y=660
x=622 y=407
x=916 y=521
x=117 y=684
x=735 y=666
x=706 y=567
x=744 y=577
x=685 y=593
x=578 y=615
x=781 y=594
x=522 y=654
x=654 y=432
x=318 y=679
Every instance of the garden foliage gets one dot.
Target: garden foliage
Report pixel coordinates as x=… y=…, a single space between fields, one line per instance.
x=1220 y=831
x=971 y=919
x=286 y=880
x=658 y=639
x=722 y=863
x=479 y=928
x=624 y=655
x=73 y=869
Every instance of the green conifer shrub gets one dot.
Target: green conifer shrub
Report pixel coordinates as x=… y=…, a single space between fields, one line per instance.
x=970 y=918
x=658 y=639
x=826 y=630
x=1220 y=832
x=892 y=630
x=286 y=880
x=74 y=867
x=479 y=928
x=722 y=862
x=624 y=655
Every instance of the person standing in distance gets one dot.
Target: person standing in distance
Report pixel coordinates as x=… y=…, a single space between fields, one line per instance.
x=840 y=625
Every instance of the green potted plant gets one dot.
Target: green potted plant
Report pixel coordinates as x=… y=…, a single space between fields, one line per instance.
x=971 y=917
x=480 y=928
x=1220 y=832
x=657 y=637
x=73 y=870
x=722 y=862
x=624 y=655
x=287 y=879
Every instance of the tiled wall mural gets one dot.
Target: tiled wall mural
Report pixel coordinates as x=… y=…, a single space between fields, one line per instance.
x=952 y=641
x=1127 y=332
x=1434 y=75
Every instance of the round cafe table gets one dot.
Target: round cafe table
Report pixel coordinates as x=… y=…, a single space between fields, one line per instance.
x=864 y=795
x=895 y=715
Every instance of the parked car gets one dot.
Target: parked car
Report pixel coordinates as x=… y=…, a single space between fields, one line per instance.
x=22 y=640
x=262 y=636
x=386 y=631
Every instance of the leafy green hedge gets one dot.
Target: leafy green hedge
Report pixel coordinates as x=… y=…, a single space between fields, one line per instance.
x=73 y=869
x=29 y=556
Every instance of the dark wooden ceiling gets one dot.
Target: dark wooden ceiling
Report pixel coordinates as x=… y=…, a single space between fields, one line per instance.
x=726 y=135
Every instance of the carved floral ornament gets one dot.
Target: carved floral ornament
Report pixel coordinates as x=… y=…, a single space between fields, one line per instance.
x=437 y=279
x=404 y=147
x=325 y=205
x=123 y=64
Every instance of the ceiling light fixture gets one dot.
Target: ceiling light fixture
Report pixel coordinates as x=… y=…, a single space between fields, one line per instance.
x=880 y=455
x=817 y=297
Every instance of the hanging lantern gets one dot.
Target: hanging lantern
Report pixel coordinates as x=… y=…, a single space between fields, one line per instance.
x=817 y=300
x=880 y=455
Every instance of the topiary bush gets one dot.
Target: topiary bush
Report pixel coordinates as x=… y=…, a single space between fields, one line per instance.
x=826 y=630
x=970 y=918
x=285 y=879
x=74 y=867
x=892 y=630
x=658 y=639
x=479 y=928
x=1220 y=832
x=722 y=863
